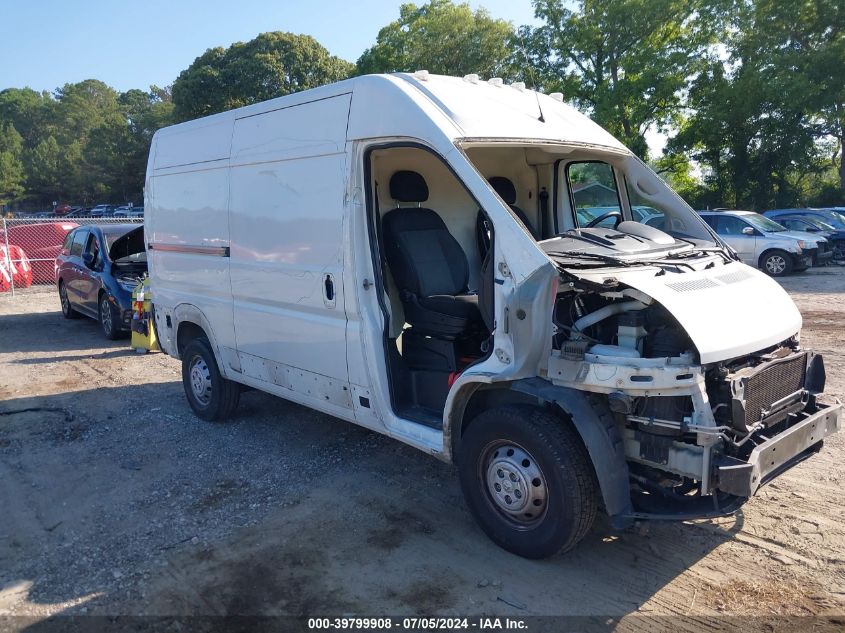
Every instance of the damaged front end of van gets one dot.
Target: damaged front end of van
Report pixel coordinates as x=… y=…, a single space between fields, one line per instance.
x=698 y=361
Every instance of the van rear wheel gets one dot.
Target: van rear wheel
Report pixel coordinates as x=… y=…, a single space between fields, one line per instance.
x=528 y=480
x=211 y=396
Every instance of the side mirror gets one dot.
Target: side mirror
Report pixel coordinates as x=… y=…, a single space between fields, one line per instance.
x=748 y=231
x=88 y=259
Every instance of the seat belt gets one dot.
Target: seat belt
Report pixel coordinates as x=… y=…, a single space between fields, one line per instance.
x=380 y=245
x=543 y=200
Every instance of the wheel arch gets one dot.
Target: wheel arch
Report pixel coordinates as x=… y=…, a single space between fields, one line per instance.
x=769 y=251
x=585 y=411
x=189 y=323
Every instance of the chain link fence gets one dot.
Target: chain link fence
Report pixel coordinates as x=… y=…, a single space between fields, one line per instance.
x=28 y=249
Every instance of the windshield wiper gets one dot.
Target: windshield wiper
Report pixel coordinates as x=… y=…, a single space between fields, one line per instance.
x=607 y=259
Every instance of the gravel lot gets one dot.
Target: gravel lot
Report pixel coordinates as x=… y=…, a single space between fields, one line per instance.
x=115 y=499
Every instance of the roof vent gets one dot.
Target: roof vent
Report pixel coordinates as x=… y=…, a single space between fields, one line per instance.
x=495 y=81
x=422 y=75
x=557 y=96
x=519 y=85
x=473 y=78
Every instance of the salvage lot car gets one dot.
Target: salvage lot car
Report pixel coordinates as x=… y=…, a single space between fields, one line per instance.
x=596 y=365
x=97 y=270
x=763 y=243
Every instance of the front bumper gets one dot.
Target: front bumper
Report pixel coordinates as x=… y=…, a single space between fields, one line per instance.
x=804 y=260
x=779 y=453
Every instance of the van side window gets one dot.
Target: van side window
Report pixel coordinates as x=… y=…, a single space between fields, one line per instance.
x=78 y=242
x=592 y=185
x=66 y=242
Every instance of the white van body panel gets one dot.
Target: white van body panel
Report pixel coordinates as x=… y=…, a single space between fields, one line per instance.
x=288 y=176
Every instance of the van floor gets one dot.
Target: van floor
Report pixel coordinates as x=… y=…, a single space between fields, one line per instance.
x=421 y=415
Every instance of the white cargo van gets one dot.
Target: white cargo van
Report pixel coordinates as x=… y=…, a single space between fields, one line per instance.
x=416 y=254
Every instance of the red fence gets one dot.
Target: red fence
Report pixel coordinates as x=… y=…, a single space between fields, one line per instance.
x=28 y=248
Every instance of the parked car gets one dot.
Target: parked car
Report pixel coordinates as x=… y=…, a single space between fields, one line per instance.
x=761 y=242
x=42 y=243
x=834 y=216
x=812 y=224
x=62 y=210
x=136 y=212
x=101 y=210
x=97 y=270
x=449 y=304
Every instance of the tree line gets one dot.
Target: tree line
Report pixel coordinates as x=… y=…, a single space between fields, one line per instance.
x=750 y=93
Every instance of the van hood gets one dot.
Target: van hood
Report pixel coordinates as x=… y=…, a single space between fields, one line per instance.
x=727 y=310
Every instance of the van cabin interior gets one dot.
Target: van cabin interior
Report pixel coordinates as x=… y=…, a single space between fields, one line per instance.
x=435 y=255
x=436 y=258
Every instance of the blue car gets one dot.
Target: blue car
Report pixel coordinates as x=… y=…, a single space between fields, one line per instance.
x=834 y=216
x=827 y=222
x=96 y=272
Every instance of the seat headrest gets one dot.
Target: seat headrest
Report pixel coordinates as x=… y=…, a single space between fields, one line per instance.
x=504 y=188
x=408 y=186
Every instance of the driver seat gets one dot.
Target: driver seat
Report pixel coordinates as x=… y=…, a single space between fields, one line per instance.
x=507 y=192
x=429 y=266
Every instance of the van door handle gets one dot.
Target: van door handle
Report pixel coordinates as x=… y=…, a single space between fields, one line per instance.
x=368 y=284
x=329 y=285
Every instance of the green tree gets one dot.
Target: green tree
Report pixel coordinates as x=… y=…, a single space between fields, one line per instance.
x=802 y=51
x=271 y=65
x=43 y=165
x=443 y=38
x=28 y=111
x=11 y=166
x=757 y=123
x=625 y=62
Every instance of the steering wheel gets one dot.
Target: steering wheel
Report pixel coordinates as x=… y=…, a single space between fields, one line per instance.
x=603 y=217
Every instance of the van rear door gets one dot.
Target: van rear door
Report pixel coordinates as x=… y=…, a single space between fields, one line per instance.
x=288 y=176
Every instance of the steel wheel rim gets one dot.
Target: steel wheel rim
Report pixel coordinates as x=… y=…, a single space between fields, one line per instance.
x=776 y=264
x=200 y=379
x=514 y=483
x=105 y=316
x=63 y=298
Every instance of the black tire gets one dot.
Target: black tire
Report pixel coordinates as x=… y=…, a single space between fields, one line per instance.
x=109 y=318
x=776 y=263
x=67 y=310
x=221 y=396
x=565 y=488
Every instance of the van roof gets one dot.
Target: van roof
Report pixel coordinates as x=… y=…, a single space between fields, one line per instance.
x=440 y=109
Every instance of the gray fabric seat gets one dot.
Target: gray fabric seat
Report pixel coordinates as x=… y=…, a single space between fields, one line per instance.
x=427 y=263
x=507 y=192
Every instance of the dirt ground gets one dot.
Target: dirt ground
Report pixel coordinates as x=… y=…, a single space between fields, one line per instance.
x=115 y=499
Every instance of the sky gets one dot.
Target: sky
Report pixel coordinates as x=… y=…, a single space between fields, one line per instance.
x=47 y=43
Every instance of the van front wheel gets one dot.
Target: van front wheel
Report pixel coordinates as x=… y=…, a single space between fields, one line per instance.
x=527 y=480
x=210 y=395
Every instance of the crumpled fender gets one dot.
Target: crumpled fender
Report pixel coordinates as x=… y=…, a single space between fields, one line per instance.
x=600 y=435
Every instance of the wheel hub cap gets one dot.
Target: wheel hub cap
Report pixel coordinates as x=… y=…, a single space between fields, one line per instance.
x=201 y=380
x=515 y=483
x=776 y=264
